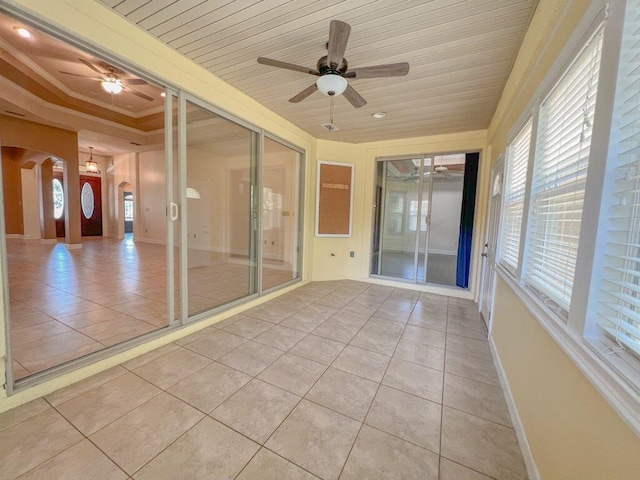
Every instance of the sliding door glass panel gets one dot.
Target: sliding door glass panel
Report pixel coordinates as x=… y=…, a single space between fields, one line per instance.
x=447 y=186
x=400 y=199
x=420 y=214
x=221 y=218
x=174 y=211
x=280 y=215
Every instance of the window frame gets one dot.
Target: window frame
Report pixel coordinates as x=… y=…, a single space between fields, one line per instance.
x=622 y=393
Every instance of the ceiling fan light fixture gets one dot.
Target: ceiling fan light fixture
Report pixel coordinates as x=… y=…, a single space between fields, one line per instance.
x=331 y=84
x=23 y=32
x=112 y=86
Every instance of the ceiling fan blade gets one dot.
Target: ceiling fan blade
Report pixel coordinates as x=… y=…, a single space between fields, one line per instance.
x=354 y=97
x=391 y=70
x=78 y=75
x=304 y=94
x=288 y=66
x=139 y=94
x=91 y=66
x=338 y=38
x=133 y=81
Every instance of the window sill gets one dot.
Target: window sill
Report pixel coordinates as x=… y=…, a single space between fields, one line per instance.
x=624 y=399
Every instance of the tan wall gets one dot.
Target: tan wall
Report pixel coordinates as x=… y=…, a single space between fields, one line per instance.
x=12 y=159
x=43 y=140
x=363 y=156
x=573 y=432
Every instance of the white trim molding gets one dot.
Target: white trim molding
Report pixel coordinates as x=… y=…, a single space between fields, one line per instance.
x=623 y=398
x=527 y=455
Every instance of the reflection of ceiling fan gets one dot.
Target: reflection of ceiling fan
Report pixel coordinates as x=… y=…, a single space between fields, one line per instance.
x=333 y=70
x=111 y=82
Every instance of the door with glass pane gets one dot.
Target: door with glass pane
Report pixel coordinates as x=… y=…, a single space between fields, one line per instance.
x=220 y=195
x=417 y=218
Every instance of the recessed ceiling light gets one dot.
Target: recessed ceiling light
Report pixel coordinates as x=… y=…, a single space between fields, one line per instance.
x=23 y=32
x=379 y=115
x=163 y=94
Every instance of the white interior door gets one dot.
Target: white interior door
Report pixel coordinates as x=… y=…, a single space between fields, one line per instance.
x=491 y=240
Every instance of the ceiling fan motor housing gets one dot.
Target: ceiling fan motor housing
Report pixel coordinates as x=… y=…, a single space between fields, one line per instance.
x=324 y=68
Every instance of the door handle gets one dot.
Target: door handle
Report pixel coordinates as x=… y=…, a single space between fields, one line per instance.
x=173 y=211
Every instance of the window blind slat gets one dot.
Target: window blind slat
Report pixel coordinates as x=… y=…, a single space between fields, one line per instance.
x=513 y=199
x=559 y=179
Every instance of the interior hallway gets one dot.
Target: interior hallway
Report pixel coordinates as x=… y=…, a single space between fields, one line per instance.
x=336 y=379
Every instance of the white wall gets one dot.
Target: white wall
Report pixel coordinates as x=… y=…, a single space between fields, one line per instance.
x=151 y=224
x=445 y=216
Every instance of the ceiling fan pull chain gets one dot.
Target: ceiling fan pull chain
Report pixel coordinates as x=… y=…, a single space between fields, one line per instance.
x=331 y=110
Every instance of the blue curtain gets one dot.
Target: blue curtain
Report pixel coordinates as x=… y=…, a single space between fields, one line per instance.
x=466 y=219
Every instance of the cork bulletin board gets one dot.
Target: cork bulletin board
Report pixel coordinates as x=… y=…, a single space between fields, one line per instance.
x=334 y=199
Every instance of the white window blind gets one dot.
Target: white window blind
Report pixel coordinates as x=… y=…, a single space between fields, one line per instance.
x=559 y=178
x=513 y=200
x=619 y=282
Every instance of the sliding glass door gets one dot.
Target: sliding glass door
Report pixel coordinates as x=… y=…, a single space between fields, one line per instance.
x=220 y=196
x=417 y=218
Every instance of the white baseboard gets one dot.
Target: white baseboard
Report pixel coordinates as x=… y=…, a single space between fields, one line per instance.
x=525 y=448
x=47 y=241
x=14 y=235
x=31 y=237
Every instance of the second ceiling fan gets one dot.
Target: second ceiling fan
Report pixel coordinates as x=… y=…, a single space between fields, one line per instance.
x=333 y=69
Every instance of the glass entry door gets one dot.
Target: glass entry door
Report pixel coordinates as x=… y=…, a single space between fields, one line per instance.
x=417 y=211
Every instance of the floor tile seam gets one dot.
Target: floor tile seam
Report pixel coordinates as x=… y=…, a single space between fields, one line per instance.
x=22 y=366
x=210 y=361
x=489 y=361
x=168 y=446
x=86 y=437
x=419 y=364
x=289 y=349
x=333 y=409
x=372 y=402
x=284 y=458
x=230 y=427
x=444 y=367
x=290 y=412
x=289 y=391
x=254 y=376
x=457 y=409
x=403 y=439
x=310 y=359
x=60 y=452
x=159 y=391
x=423 y=344
x=457 y=462
x=48 y=336
x=411 y=394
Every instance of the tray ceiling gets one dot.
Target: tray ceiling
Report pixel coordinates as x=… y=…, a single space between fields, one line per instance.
x=461 y=53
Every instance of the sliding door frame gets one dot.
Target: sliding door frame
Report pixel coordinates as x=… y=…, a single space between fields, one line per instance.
x=172 y=93
x=422 y=157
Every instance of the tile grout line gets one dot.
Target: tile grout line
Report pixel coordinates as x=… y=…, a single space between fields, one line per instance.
x=377 y=390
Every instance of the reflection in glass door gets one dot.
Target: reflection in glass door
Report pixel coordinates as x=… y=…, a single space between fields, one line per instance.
x=221 y=192
x=280 y=214
x=417 y=218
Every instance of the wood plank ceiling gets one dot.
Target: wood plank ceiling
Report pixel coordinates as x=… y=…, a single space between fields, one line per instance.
x=460 y=51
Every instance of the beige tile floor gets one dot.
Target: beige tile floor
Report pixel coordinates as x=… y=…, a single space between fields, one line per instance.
x=68 y=303
x=332 y=380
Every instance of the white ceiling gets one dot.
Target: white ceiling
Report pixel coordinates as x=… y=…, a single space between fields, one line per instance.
x=460 y=51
